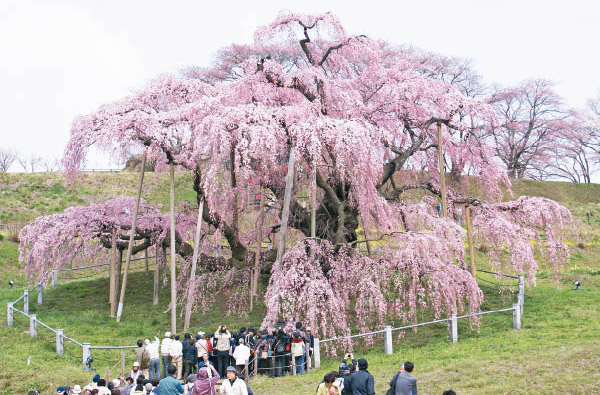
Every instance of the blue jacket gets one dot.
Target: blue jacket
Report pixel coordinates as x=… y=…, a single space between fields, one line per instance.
x=170 y=386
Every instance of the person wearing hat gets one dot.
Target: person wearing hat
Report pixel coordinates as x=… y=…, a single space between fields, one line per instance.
x=310 y=340
x=76 y=389
x=361 y=382
x=153 y=354
x=233 y=385
x=201 y=345
x=135 y=371
x=189 y=384
x=165 y=353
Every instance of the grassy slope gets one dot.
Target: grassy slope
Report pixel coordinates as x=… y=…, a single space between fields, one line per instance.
x=560 y=326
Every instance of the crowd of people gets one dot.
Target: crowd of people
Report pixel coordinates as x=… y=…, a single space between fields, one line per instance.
x=273 y=352
x=219 y=362
x=353 y=378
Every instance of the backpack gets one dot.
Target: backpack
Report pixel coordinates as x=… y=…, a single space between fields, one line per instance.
x=392 y=389
x=145 y=363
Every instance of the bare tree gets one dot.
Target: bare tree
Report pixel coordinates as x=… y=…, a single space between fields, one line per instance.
x=7 y=158
x=51 y=165
x=531 y=119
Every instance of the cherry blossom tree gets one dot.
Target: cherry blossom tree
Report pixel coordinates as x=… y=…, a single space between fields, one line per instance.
x=358 y=119
x=531 y=119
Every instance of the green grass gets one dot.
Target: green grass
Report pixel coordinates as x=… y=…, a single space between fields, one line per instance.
x=557 y=351
x=560 y=336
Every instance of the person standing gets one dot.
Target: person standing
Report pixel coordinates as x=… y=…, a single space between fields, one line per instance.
x=241 y=355
x=165 y=353
x=201 y=346
x=233 y=385
x=223 y=347
x=403 y=382
x=142 y=357
x=298 y=350
x=176 y=355
x=170 y=385
x=190 y=355
x=361 y=382
x=279 y=348
x=152 y=349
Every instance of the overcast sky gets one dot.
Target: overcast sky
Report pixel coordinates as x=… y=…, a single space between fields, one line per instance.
x=60 y=59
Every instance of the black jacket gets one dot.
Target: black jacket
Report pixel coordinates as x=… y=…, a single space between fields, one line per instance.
x=361 y=383
x=190 y=352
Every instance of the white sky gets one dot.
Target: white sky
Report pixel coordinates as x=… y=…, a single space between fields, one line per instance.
x=60 y=58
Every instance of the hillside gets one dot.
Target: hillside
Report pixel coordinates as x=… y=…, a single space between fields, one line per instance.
x=560 y=325
x=25 y=196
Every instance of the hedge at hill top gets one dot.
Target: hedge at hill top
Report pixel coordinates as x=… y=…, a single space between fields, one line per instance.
x=340 y=119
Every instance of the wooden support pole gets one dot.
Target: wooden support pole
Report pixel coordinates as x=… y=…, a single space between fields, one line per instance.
x=246 y=372
x=111 y=277
x=40 y=295
x=470 y=241
x=444 y=212
x=156 y=277
x=289 y=184
x=293 y=359
x=122 y=363
x=107 y=378
x=131 y=239
x=188 y=305
x=313 y=202
x=146 y=261
x=172 y=248
x=256 y=271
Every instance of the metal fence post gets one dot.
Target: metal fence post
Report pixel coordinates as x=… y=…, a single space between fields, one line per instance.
x=59 y=342
x=85 y=352
x=40 y=298
x=516 y=316
x=54 y=278
x=9 y=314
x=454 y=328
x=26 y=301
x=521 y=299
x=317 y=352
x=32 y=326
x=387 y=340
